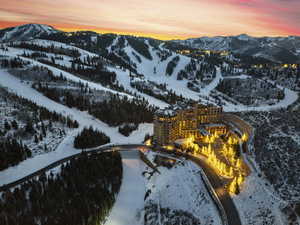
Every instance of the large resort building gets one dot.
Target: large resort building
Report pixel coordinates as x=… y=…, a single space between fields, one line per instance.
x=182 y=122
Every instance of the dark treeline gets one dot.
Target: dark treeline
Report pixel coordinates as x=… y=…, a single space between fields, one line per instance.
x=95 y=73
x=83 y=193
x=171 y=97
x=89 y=138
x=117 y=111
x=139 y=46
x=120 y=60
x=15 y=62
x=201 y=70
x=67 y=97
x=127 y=129
x=171 y=65
x=12 y=152
x=35 y=55
x=50 y=49
x=81 y=39
x=114 y=111
x=213 y=59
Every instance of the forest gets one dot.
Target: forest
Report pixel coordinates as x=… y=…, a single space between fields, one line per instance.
x=114 y=111
x=89 y=138
x=50 y=49
x=119 y=110
x=95 y=73
x=12 y=63
x=82 y=193
x=168 y=96
x=127 y=129
x=12 y=152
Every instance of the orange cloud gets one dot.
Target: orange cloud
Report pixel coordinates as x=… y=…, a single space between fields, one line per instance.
x=164 y=19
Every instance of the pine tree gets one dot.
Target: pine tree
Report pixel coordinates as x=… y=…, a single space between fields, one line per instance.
x=36 y=140
x=7 y=125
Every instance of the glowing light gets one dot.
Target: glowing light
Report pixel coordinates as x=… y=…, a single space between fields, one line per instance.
x=230 y=168
x=245 y=137
x=148 y=142
x=240 y=179
x=168 y=147
x=234 y=187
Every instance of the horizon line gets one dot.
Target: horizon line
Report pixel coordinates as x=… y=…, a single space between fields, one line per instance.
x=162 y=37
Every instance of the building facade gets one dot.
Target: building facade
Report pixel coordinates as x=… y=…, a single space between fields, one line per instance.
x=184 y=122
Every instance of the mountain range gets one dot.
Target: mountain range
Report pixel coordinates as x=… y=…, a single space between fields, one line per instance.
x=276 y=49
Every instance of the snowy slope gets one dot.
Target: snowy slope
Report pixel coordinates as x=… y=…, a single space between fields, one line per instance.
x=83 y=118
x=155 y=69
x=66 y=147
x=182 y=188
x=263 y=207
x=13 y=52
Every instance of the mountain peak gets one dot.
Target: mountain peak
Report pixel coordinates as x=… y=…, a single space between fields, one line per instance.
x=25 y=32
x=243 y=37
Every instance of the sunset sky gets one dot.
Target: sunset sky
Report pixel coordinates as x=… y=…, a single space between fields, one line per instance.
x=164 y=19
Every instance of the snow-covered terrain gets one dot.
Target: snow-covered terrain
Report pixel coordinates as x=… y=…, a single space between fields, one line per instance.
x=262 y=206
x=14 y=114
x=153 y=70
x=13 y=52
x=179 y=190
x=289 y=98
x=130 y=201
x=66 y=146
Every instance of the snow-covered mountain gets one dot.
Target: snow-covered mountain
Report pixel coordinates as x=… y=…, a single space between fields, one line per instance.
x=279 y=49
x=25 y=32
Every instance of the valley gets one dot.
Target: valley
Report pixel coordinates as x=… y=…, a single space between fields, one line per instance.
x=55 y=84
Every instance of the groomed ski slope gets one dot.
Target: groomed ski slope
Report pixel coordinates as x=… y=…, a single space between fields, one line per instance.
x=13 y=52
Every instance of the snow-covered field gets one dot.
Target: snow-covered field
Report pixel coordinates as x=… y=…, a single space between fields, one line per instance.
x=181 y=188
x=258 y=204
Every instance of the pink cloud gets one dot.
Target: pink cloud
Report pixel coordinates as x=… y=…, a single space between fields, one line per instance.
x=165 y=17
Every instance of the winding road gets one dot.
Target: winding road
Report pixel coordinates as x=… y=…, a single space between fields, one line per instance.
x=222 y=196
